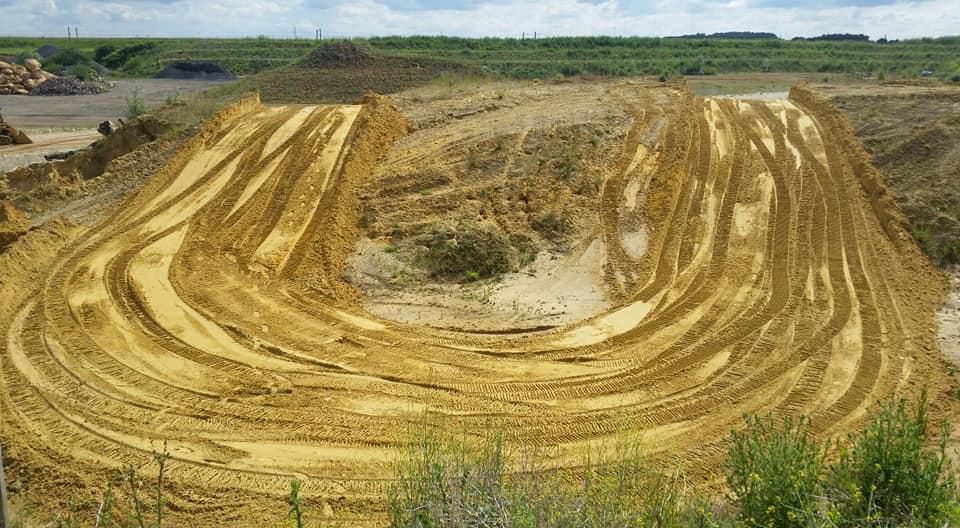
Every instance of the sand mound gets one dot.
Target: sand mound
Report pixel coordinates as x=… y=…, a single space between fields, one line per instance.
x=200 y=71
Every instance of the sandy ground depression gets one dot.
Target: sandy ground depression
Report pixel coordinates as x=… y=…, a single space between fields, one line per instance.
x=212 y=310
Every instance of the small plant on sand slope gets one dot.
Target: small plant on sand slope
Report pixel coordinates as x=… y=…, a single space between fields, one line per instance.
x=134 y=105
x=447 y=479
x=924 y=237
x=134 y=511
x=773 y=470
x=887 y=476
x=296 y=506
x=479 y=251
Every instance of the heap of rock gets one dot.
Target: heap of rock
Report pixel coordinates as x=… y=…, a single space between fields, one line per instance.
x=21 y=80
x=66 y=86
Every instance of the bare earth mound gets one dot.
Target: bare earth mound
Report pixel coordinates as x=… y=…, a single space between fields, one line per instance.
x=211 y=310
x=340 y=72
x=201 y=71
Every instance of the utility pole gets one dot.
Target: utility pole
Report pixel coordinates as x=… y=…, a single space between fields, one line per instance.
x=68 y=34
x=5 y=520
x=76 y=33
x=319 y=33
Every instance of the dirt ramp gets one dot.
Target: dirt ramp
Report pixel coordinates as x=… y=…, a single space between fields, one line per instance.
x=894 y=223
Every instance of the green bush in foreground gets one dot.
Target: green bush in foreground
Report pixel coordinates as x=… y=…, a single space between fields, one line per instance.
x=888 y=477
x=773 y=469
x=883 y=476
x=777 y=474
x=444 y=480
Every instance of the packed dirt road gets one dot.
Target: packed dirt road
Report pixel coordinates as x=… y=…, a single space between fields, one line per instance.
x=211 y=311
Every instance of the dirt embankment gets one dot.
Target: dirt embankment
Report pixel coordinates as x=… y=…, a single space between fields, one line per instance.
x=208 y=311
x=909 y=132
x=86 y=163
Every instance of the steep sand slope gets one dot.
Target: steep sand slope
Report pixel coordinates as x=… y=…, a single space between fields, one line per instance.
x=210 y=312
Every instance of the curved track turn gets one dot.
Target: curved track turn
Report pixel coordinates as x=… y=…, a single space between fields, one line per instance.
x=210 y=312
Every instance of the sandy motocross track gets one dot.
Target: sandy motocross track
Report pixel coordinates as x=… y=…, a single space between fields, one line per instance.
x=211 y=310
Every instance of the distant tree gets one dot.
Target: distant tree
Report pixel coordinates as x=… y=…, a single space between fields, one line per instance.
x=842 y=36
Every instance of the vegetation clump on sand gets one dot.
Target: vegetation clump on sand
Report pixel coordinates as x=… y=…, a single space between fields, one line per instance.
x=469 y=251
x=776 y=472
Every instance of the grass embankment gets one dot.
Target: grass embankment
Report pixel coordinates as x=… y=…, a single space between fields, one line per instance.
x=627 y=56
x=776 y=473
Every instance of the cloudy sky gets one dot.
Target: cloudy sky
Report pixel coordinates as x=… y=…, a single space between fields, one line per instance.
x=277 y=18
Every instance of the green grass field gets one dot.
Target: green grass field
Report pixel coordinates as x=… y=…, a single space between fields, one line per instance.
x=548 y=57
x=672 y=56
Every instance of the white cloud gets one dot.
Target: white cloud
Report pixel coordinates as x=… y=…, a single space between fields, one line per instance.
x=232 y=18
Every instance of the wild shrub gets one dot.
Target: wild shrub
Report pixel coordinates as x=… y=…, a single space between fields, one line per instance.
x=773 y=470
x=887 y=476
x=445 y=479
x=950 y=252
x=133 y=103
x=83 y=72
x=119 y=57
x=552 y=223
x=69 y=57
x=567 y=164
x=924 y=237
x=620 y=487
x=24 y=56
x=452 y=253
x=102 y=51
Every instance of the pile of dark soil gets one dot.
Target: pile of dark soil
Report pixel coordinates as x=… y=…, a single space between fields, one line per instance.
x=64 y=86
x=201 y=71
x=48 y=50
x=339 y=54
x=341 y=72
